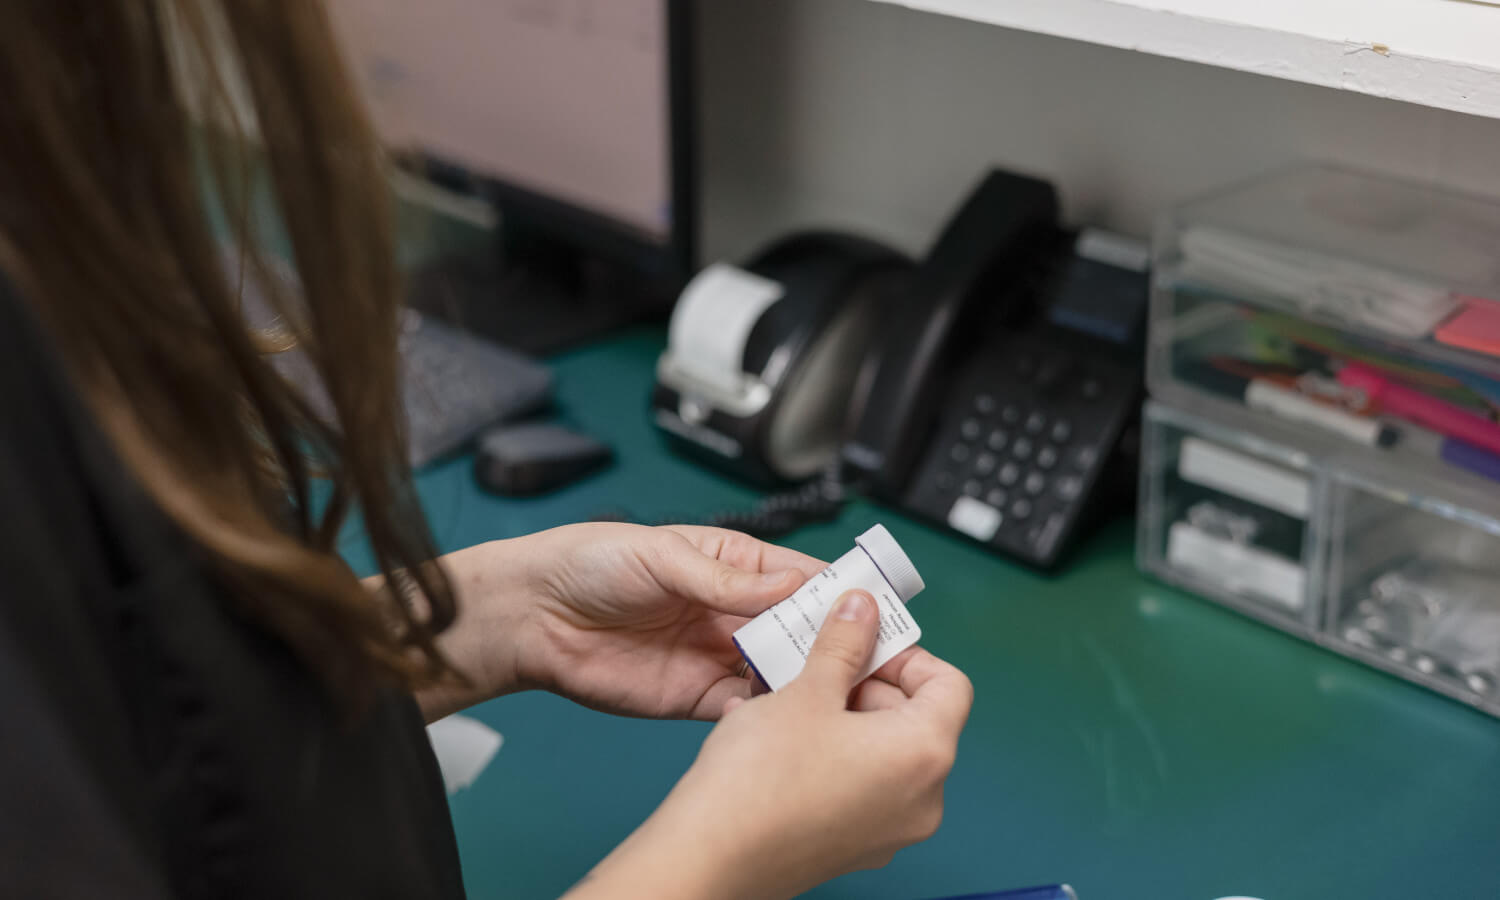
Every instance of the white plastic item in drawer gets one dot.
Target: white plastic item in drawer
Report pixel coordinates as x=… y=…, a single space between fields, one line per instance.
x=1239 y=568
x=1227 y=514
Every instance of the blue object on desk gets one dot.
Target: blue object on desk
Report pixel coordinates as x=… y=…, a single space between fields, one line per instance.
x=1051 y=892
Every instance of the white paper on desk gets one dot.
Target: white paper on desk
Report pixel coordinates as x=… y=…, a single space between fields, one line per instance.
x=463 y=747
x=713 y=320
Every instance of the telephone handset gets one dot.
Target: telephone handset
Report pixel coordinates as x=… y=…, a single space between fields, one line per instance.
x=989 y=389
x=975 y=275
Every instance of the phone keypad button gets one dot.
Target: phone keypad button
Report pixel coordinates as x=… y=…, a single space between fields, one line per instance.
x=1020 y=509
x=972 y=488
x=984 y=464
x=1011 y=414
x=1068 y=487
x=1085 y=457
x=998 y=439
x=996 y=497
x=984 y=404
x=974 y=518
x=970 y=429
x=1047 y=456
x=1062 y=430
x=1035 y=423
x=1010 y=473
x=959 y=453
x=1021 y=449
x=1036 y=482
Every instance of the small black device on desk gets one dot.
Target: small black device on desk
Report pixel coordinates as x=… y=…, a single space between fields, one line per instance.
x=763 y=361
x=535 y=457
x=992 y=392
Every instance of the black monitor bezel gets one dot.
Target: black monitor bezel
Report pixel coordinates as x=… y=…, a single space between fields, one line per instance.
x=668 y=263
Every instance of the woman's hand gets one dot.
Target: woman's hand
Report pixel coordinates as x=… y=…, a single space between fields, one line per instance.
x=792 y=788
x=818 y=779
x=622 y=618
x=637 y=621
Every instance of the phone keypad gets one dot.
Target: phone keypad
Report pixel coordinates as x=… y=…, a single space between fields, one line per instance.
x=1012 y=467
x=1014 y=475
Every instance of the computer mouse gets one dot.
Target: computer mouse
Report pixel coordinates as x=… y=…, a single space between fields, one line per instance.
x=531 y=458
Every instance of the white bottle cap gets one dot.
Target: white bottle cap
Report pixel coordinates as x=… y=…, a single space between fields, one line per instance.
x=892 y=562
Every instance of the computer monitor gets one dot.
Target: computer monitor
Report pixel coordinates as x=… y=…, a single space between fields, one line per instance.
x=573 y=116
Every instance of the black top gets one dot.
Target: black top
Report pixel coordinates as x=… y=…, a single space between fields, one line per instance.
x=153 y=743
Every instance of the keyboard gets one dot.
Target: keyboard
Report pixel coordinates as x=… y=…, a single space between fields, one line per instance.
x=454 y=384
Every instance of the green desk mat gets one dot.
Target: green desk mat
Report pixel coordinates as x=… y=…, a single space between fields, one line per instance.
x=1134 y=741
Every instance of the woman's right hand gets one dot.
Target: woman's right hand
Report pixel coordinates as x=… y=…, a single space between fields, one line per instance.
x=818 y=779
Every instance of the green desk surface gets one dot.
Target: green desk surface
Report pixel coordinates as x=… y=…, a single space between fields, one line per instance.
x=1134 y=741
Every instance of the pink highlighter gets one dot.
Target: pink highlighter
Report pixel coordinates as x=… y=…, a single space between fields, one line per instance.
x=1423 y=409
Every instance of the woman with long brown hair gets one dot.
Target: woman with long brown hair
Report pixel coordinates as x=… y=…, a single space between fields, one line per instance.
x=200 y=697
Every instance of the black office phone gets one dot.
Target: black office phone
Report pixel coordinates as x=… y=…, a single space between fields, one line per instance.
x=1006 y=399
x=1035 y=432
x=998 y=391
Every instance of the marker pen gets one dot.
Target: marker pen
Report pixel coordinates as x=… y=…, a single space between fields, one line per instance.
x=1452 y=451
x=1430 y=412
x=1467 y=456
x=1265 y=395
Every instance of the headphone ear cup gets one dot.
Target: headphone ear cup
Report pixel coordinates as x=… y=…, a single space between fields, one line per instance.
x=885 y=289
x=807 y=425
x=810 y=346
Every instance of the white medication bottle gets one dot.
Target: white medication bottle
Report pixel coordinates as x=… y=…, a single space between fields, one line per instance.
x=777 y=641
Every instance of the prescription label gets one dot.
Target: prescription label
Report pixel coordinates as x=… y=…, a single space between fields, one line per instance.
x=778 y=640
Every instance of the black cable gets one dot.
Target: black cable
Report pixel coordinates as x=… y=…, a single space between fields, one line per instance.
x=775 y=515
x=820 y=500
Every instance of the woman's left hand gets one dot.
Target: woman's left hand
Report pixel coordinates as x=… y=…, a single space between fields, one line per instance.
x=626 y=619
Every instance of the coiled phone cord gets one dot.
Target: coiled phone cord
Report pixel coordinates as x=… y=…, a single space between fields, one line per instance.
x=819 y=500
x=775 y=515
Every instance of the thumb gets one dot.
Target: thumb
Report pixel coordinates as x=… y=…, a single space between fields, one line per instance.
x=843 y=647
x=688 y=572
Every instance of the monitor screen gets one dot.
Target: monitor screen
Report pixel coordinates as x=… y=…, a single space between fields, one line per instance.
x=566 y=99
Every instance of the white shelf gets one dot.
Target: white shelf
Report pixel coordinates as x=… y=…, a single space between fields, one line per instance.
x=1439 y=53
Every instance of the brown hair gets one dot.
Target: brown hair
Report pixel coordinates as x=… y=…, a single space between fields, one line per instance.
x=103 y=227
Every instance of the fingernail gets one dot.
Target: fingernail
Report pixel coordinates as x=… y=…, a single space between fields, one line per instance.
x=852 y=607
x=771 y=578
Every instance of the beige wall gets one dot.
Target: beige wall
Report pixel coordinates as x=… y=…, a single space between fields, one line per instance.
x=867 y=115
